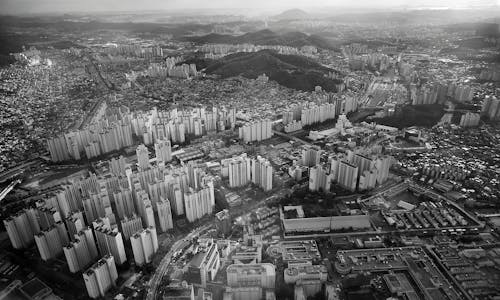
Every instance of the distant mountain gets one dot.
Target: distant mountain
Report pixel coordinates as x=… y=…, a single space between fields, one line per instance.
x=264 y=37
x=292 y=14
x=292 y=71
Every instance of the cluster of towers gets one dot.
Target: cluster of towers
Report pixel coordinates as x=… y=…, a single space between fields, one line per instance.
x=353 y=171
x=256 y=131
x=439 y=93
x=170 y=69
x=491 y=108
x=359 y=171
x=470 y=119
x=300 y=115
x=135 y=50
x=220 y=50
x=116 y=130
x=241 y=170
x=96 y=216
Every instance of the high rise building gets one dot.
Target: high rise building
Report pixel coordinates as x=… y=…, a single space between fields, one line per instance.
x=319 y=179
x=382 y=166
x=470 y=119
x=198 y=203
x=311 y=155
x=239 y=170
x=78 y=255
x=130 y=226
x=75 y=223
x=262 y=173
x=49 y=243
x=347 y=175
x=491 y=107
x=144 y=245
x=163 y=151
x=87 y=235
x=143 y=157
x=124 y=203
x=100 y=277
x=63 y=232
x=58 y=149
x=117 y=166
x=256 y=131
x=149 y=215
x=47 y=217
x=367 y=180
x=110 y=241
x=363 y=162
x=164 y=215
x=21 y=227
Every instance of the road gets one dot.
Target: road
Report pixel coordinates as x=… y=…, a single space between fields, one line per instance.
x=162 y=268
x=291 y=137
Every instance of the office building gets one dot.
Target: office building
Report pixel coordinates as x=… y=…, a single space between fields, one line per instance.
x=101 y=277
x=252 y=275
x=296 y=273
x=223 y=222
x=144 y=245
x=205 y=263
x=177 y=290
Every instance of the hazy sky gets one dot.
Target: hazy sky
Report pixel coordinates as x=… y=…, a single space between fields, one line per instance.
x=47 y=6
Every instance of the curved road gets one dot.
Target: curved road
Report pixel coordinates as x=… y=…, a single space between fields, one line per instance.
x=161 y=270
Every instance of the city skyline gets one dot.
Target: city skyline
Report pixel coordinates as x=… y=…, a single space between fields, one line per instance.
x=225 y=6
x=201 y=150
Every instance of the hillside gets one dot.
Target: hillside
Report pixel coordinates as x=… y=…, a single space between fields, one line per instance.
x=263 y=37
x=414 y=115
x=292 y=14
x=292 y=71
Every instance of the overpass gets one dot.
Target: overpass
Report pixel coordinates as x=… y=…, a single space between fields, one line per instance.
x=291 y=137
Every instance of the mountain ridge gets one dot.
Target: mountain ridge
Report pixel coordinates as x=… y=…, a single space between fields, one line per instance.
x=264 y=37
x=293 y=71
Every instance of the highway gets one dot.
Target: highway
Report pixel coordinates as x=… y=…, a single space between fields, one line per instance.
x=161 y=270
x=9 y=188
